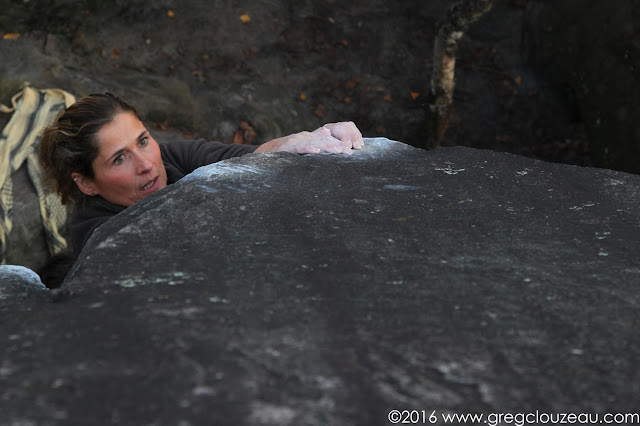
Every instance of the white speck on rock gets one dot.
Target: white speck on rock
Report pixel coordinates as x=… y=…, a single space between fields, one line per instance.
x=263 y=413
x=587 y=204
x=203 y=391
x=449 y=170
x=401 y=187
x=614 y=182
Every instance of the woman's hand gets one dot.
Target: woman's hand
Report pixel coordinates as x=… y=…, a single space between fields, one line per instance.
x=346 y=132
x=334 y=138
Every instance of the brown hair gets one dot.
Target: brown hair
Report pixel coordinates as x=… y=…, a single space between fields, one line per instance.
x=69 y=144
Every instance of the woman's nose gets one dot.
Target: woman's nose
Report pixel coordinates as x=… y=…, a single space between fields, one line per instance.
x=143 y=165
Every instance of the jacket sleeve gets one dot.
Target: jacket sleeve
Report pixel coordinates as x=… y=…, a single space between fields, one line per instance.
x=188 y=155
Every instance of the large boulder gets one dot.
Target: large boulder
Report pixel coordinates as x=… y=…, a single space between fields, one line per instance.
x=324 y=289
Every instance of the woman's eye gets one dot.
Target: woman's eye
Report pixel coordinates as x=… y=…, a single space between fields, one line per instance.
x=143 y=142
x=119 y=159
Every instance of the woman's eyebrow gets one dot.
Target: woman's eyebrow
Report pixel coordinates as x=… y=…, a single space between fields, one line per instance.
x=118 y=152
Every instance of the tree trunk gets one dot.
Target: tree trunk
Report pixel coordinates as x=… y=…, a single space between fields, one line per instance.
x=440 y=101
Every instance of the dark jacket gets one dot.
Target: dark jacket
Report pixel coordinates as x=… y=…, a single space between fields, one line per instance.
x=180 y=158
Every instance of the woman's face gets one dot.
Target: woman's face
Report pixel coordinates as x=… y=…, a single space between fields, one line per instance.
x=128 y=166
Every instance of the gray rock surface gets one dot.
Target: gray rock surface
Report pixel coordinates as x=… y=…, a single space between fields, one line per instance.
x=19 y=282
x=321 y=289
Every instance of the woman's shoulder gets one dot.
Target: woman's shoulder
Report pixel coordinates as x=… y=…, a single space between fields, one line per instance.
x=88 y=214
x=87 y=206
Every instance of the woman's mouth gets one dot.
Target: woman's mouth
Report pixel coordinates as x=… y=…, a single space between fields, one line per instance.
x=150 y=185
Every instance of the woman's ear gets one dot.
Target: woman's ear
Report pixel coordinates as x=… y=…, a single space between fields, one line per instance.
x=85 y=185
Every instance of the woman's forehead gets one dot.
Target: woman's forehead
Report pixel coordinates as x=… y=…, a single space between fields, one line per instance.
x=123 y=130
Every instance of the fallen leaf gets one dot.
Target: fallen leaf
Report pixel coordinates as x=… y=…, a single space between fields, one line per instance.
x=245 y=18
x=388 y=98
x=116 y=54
x=303 y=96
x=320 y=111
x=10 y=36
x=171 y=13
x=402 y=218
x=80 y=40
x=381 y=130
x=245 y=134
x=252 y=52
x=345 y=43
x=347 y=100
x=198 y=74
x=414 y=95
x=518 y=80
x=350 y=84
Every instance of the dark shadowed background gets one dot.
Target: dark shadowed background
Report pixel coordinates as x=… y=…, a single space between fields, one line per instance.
x=550 y=80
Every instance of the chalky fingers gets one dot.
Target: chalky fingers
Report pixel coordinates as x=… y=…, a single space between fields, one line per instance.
x=347 y=132
x=332 y=145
